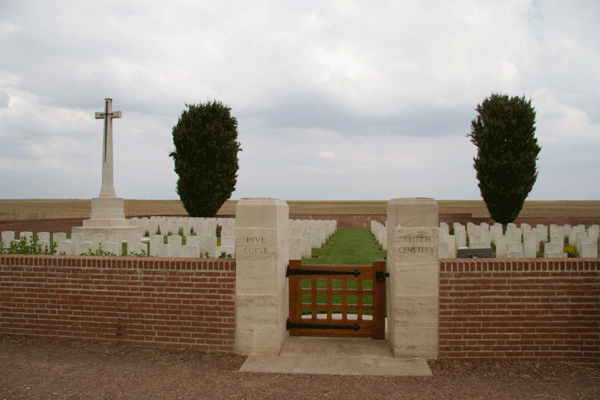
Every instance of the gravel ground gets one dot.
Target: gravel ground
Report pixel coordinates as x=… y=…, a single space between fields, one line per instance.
x=35 y=368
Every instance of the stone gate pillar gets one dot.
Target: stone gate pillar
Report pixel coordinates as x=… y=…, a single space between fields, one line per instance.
x=413 y=286
x=262 y=255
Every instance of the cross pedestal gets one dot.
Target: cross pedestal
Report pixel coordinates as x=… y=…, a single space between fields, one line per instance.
x=108 y=210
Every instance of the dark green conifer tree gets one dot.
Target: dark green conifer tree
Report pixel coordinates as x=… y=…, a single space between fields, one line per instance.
x=507 y=153
x=205 y=157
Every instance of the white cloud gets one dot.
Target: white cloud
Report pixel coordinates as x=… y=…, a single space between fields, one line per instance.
x=558 y=122
x=351 y=97
x=340 y=61
x=327 y=154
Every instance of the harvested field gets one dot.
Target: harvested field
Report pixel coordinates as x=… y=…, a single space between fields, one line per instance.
x=74 y=208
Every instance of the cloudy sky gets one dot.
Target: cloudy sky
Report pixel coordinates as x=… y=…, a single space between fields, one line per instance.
x=335 y=100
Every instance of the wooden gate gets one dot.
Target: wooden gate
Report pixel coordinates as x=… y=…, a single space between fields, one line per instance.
x=336 y=303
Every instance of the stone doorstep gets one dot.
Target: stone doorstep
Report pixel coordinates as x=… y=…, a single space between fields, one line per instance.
x=336 y=356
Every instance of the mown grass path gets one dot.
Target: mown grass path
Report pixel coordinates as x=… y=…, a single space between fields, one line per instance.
x=348 y=246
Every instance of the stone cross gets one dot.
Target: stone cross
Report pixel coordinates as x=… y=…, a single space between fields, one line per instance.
x=108 y=188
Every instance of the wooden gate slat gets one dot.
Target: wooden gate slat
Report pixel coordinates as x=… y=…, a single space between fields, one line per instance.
x=295 y=286
x=378 y=301
x=313 y=292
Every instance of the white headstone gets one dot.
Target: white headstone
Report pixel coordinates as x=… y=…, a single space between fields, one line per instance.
x=161 y=250
x=208 y=244
x=97 y=239
x=594 y=232
x=552 y=247
x=451 y=240
x=501 y=246
x=7 y=238
x=133 y=239
x=190 y=251
x=27 y=236
x=461 y=238
x=496 y=231
x=138 y=248
x=64 y=247
x=113 y=247
x=59 y=237
x=589 y=250
x=556 y=254
x=174 y=240
x=515 y=247
x=227 y=241
x=444 y=228
x=77 y=237
x=45 y=236
x=116 y=238
x=295 y=248
x=530 y=245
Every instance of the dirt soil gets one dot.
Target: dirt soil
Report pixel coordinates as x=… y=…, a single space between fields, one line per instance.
x=36 y=209
x=33 y=368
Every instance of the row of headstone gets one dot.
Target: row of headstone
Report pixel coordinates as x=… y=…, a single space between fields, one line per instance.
x=521 y=242
x=517 y=242
x=183 y=226
x=379 y=230
x=8 y=237
x=201 y=231
x=306 y=235
x=195 y=246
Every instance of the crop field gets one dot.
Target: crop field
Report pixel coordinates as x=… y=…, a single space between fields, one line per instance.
x=74 y=208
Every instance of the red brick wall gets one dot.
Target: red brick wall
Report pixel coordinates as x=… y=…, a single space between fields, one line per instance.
x=150 y=302
x=509 y=310
x=520 y=310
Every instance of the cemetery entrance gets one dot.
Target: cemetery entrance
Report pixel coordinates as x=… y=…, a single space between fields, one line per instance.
x=337 y=300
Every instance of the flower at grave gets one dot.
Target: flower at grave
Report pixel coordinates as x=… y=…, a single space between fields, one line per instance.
x=571 y=251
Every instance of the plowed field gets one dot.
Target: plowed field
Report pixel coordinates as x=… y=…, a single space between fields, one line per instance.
x=73 y=208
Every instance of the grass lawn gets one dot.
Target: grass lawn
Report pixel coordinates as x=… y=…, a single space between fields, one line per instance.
x=347 y=246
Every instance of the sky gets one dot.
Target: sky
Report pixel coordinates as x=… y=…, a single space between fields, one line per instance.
x=335 y=100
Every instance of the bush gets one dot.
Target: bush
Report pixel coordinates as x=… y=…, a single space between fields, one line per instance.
x=507 y=152
x=571 y=251
x=23 y=246
x=205 y=157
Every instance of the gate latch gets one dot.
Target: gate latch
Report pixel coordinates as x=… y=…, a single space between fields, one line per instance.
x=380 y=276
